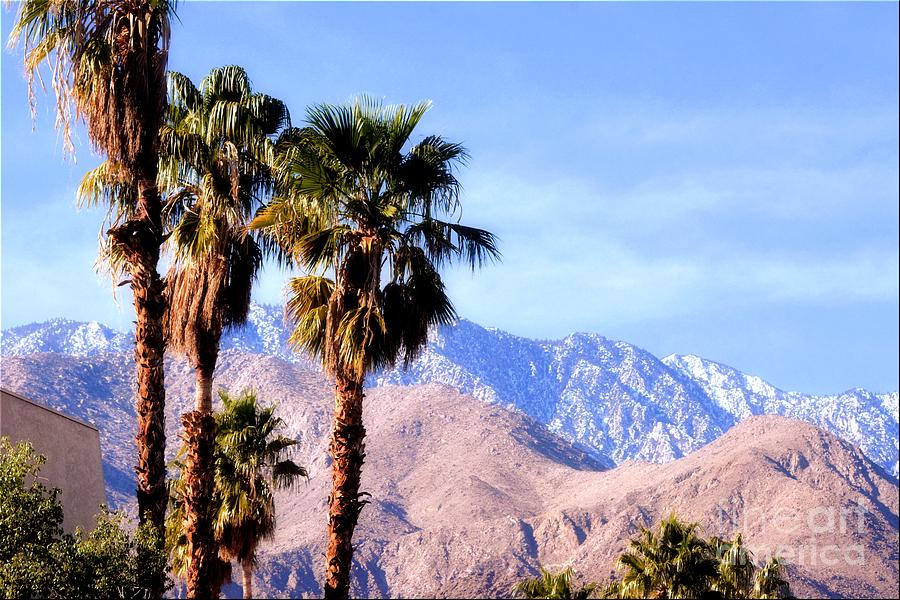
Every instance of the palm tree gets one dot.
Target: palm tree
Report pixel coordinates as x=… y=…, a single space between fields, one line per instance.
x=735 y=569
x=249 y=467
x=554 y=586
x=769 y=581
x=361 y=203
x=675 y=563
x=216 y=155
x=107 y=59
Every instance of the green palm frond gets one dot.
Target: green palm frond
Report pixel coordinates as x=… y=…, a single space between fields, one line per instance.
x=318 y=249
x=356 y=200
x=251 y=462
x=107 y=185
x=361 y=339
x=769 y=581
x=286 y=473
x=307 y=308
x=443 y=241
x=556 y=586
x=183 y=93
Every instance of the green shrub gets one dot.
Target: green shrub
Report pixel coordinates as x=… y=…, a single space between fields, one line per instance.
x=37 y=559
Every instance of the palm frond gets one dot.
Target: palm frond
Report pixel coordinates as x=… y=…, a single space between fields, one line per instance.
x=183 y=93
x=307 y=309
x=323 y=247
x=108 y=185
x=352 y=201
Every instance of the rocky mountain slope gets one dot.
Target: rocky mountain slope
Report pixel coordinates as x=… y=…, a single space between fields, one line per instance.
x=609 y=397
x=467 y=500
x=468 y=497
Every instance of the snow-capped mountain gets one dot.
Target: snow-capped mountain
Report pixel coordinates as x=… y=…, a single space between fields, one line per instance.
x=862 y=418
x=63 y=336
x=609 y=397
x=264 y=333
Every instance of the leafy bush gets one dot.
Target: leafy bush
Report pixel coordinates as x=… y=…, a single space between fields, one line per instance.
x=37 y=559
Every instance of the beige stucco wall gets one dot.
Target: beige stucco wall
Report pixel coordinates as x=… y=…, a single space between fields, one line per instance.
x=72 y=448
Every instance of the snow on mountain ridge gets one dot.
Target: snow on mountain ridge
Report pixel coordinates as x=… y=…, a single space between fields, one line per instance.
x=64 y=336
x=609 y=397
x=857 y=415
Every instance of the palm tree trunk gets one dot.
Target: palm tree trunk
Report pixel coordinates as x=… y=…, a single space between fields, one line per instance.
x=149 y=306
x=140 y=239
x=200 y=438
x=247 y=566
x=220 y=575
x=347 y=451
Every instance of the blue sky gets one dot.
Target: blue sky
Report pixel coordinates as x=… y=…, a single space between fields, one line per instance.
x=715 y=179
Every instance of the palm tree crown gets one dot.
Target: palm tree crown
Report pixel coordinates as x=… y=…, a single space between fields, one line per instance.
x=108 y=59
x=554 y=586
x=217 y=152
x=355 y=202
x=675 y=563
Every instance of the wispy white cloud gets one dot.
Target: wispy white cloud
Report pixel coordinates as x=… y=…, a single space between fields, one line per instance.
x=723 y=240
x=799 y=129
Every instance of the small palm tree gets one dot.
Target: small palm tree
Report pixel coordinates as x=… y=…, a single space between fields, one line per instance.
x=359 y=202
x=107 y=61
x=217 y=154
x=250 y=465
x=769 y=581
x=556 y=586
x=677 y=563
x=673 y=563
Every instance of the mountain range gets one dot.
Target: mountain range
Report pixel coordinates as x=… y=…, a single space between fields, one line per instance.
x=469 y=497
x=610 y=398
x=492 y=454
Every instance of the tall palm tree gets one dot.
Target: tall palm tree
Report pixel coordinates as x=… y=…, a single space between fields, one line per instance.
x=250 y=465
x=362 y=203
x=554 y=586
x=107 y=61
x=673 y=563
x=217 y=152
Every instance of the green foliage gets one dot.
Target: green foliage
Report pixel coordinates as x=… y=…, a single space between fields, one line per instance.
x=38 y=560
x=675 y=562
x=358 y=201
x=554 y=586
x=251 y=463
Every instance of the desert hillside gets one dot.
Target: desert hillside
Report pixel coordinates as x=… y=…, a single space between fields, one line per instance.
x=469 y=497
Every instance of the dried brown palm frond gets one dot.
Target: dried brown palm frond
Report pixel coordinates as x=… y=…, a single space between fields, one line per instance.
x=107 y=61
